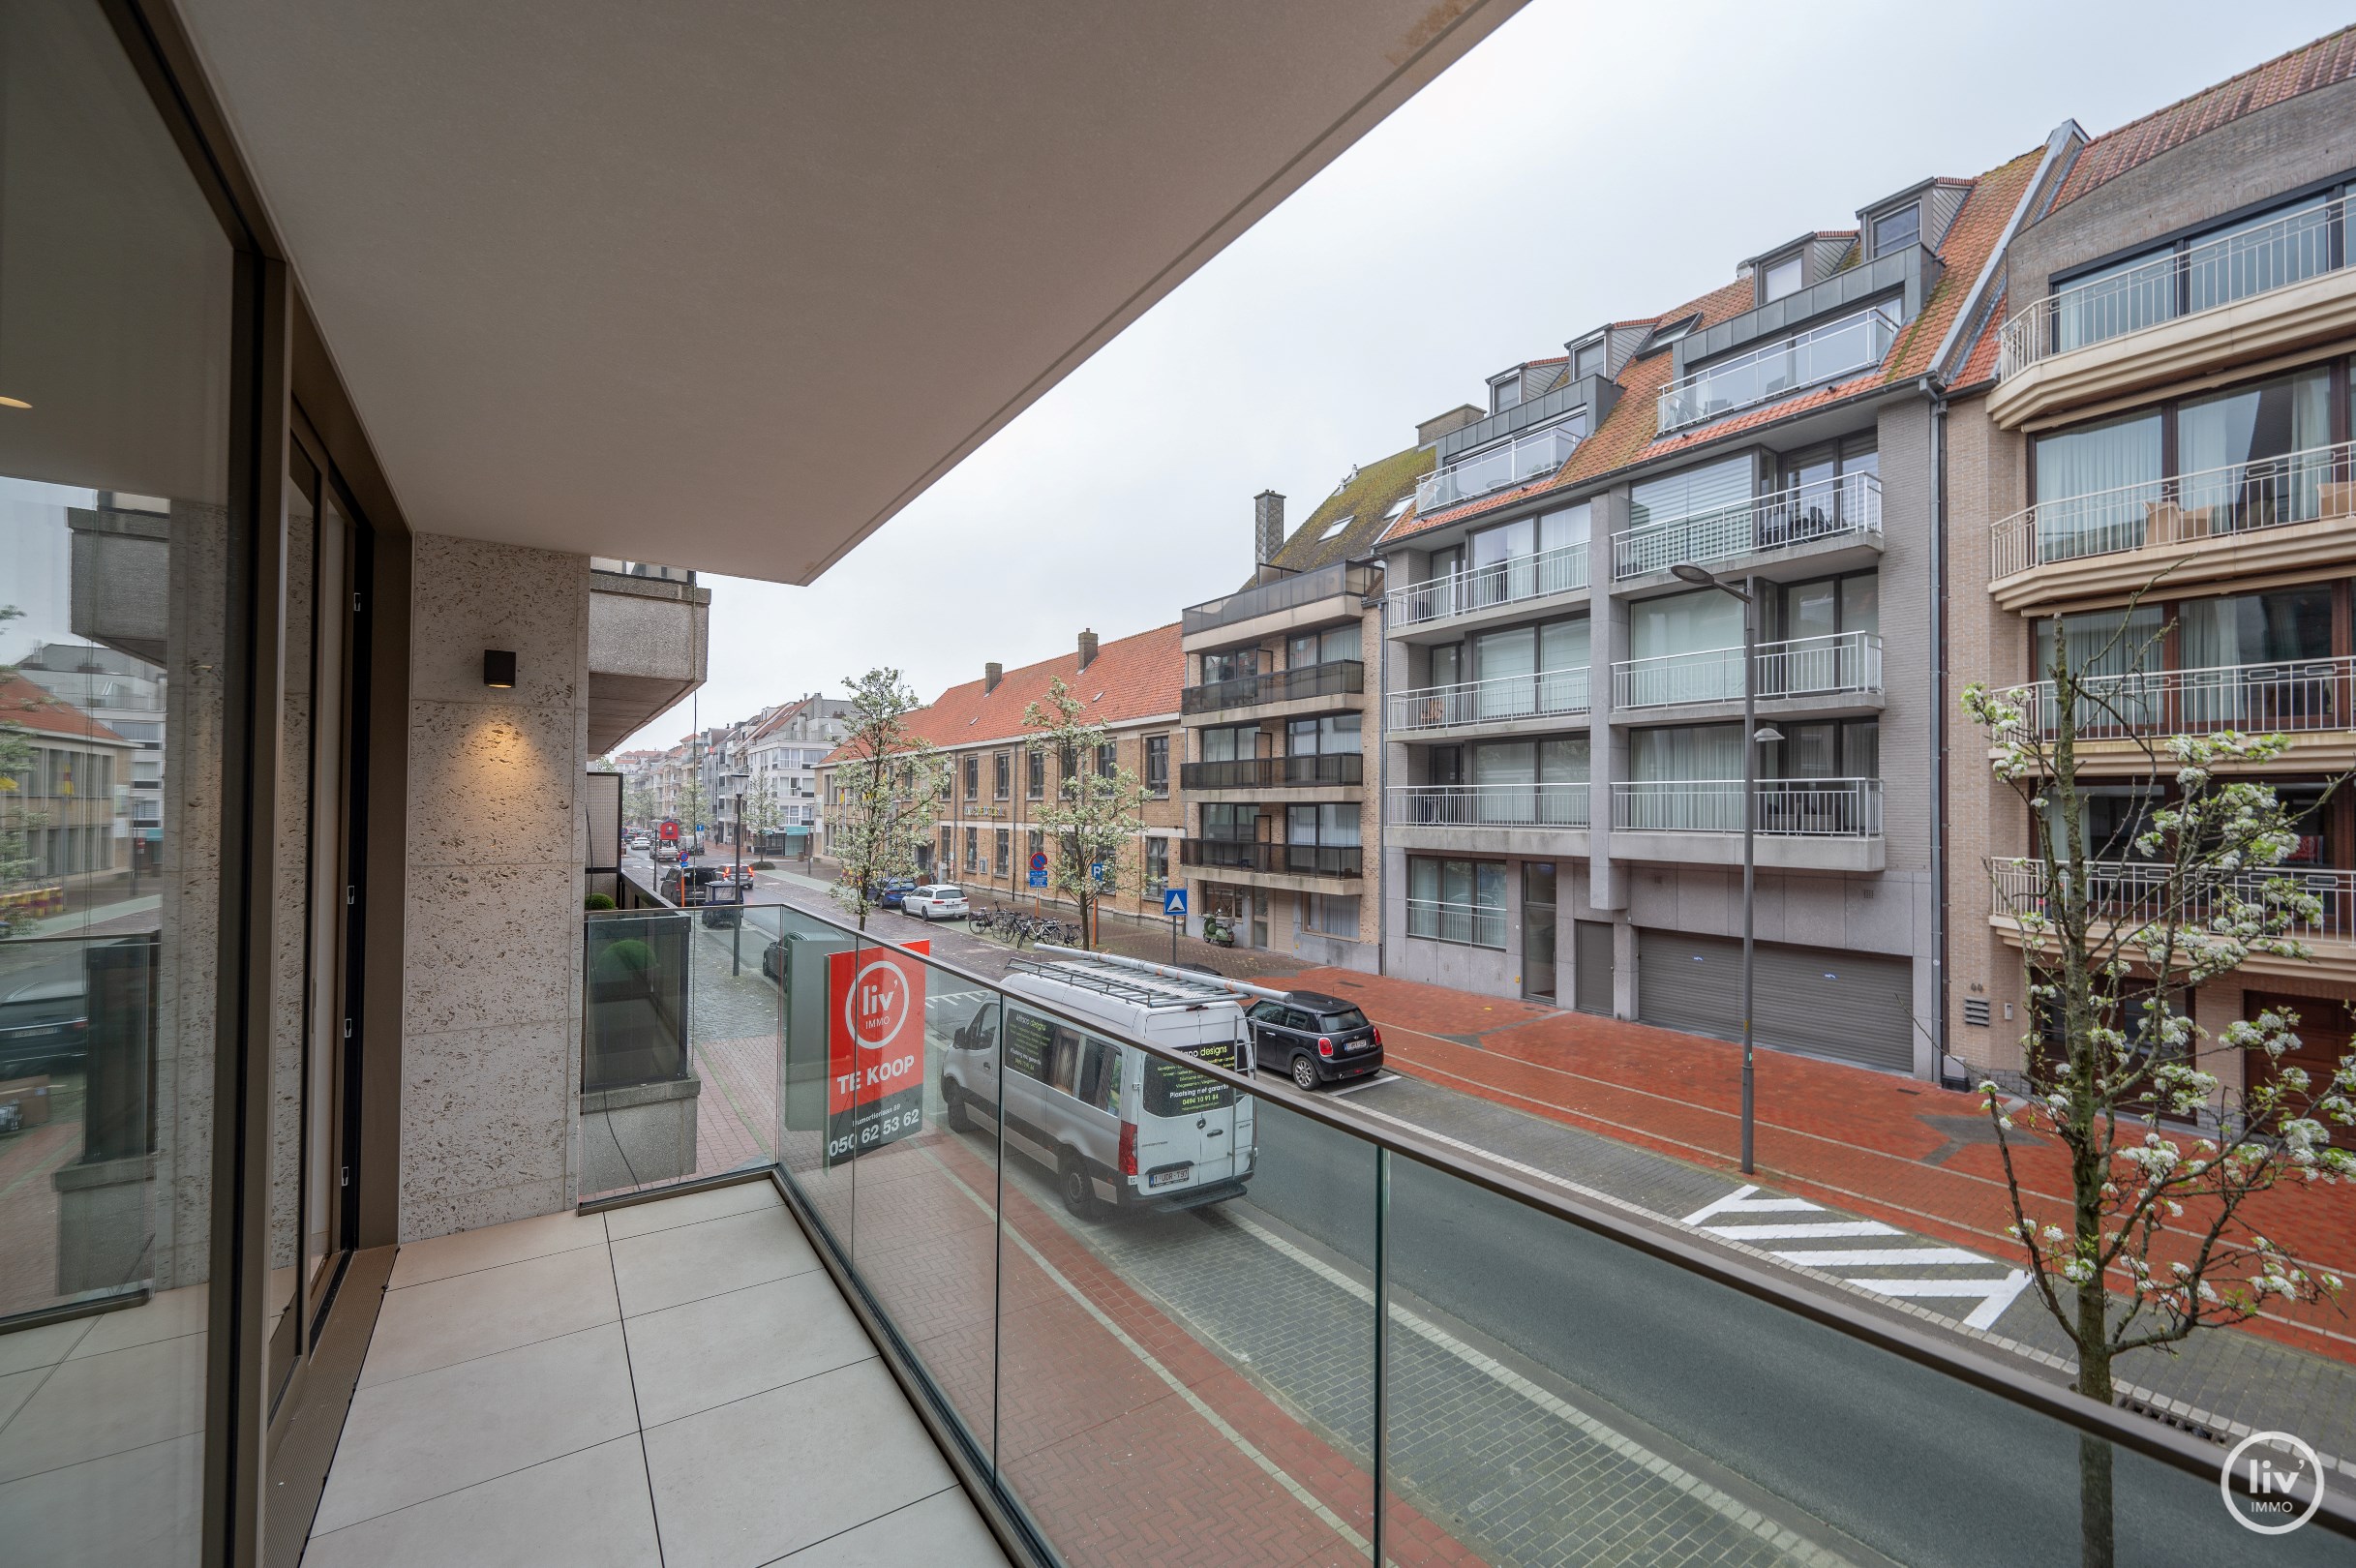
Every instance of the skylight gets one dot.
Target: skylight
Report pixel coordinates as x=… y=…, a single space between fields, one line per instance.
x=1398 y=506
x=1336 y=526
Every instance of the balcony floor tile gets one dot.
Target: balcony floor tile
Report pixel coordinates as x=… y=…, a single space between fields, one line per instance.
x=591 y=1508
x=943 y=1530
x=444 y=1322
x=726 y=1347
x=712 y=1203
x=668 y=1267
x=467 y=1250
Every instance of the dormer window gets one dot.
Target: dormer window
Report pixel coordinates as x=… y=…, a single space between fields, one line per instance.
x=1587 y=361
x=1780 y=277
x=1505 y=394
x=1896 y=231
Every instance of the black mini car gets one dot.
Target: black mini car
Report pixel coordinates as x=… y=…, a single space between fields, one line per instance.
x=1316 y=1039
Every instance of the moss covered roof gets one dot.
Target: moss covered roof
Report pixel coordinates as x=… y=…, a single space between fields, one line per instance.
x=1367 y=501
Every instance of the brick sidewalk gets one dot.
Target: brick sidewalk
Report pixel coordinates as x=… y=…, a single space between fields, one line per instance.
x=1894 y=1148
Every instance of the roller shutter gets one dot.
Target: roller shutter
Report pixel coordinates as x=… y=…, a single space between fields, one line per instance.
x=1847 y=1006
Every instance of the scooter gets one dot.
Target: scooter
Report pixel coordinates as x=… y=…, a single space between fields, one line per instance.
x=1218 y=932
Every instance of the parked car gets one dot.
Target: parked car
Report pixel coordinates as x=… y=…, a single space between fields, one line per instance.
x=894 y=889
x=44 y=1022
x=940 y=901
x=1315 y=1037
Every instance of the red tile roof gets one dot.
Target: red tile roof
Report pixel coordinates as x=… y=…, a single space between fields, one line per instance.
x=32 y=707
x=1130 y=678
x=2327 y=60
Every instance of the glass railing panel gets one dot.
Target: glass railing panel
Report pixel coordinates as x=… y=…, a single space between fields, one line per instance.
x=801 y=968
x=1556 y=1396
x=1187 y=1374
x=912 y=1098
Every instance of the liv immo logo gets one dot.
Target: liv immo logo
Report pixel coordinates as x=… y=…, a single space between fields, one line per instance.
x=2272 y=1482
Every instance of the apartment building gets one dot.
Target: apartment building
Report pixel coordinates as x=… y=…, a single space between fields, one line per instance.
x=2160 y=413
x=124 y=693
x=1283 y=760
x=65 y=800
x=1000 y=776
x=1564 y=625
x=782 y=754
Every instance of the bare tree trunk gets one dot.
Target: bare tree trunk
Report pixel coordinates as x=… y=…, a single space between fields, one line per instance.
x=2096 y=1543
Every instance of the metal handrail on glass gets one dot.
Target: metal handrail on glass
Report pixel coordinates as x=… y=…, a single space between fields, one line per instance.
x=1776 y=370
x=1847 y=505
x=1551 y=804
x=2308 y=486
x=1318 y=769
x=1336 y=678
x=1288 y=592
x=2296 y=696
x=1841 y=664
x=1275 y=857
x=1511 y=581
x=1540 y=694
x=1535 y=456
x=1790 y=808
x=2204 y=276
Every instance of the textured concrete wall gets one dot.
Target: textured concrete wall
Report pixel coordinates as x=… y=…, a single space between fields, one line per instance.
x=490 y=1000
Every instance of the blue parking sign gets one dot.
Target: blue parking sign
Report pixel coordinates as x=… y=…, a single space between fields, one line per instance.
x=1173 y=901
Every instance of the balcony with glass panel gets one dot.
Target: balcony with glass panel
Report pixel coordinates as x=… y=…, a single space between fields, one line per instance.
x=1828 y=521
x=1820 y=355
x=1259 y=863
x=1837 y=674
x=1507 y=703
x=1326 y=770
x=1518 y=580
x=1288 y=690
x=2263 y=287
x=1538 y=455
x=1287 y=603
x=1801 y=823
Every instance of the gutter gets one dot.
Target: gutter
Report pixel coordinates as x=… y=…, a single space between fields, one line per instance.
x=1930 y=388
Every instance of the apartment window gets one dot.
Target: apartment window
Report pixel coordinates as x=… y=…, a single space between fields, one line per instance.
x=1002 y=851
x=973 y=849
x=1326 y=737
x=1107 y=759
x=1702 y=621
x=1157 y=866
x=1035 y=774
x=1692 y=492
x=1781 y=277
x=1457 y=901
x=1587 y=361
x=1520 y=559
x=1230 y=823
x=1526 y=669
x=1330 y=824
x=1230 y=742
x=973 y=778
x=1329 y=647
x=1330 y=915
x=1001 y=769
x=1237 y=664
x=1686 y=753
x=1816 y=486
x=1825 y=606
x=1157 y=764
x=949 y=844
x=1851 y=748
x=1896 y=231
x=1505 y=394
x=1035 y=844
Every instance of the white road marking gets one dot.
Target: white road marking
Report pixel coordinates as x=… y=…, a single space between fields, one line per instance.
x=1994 y=1295
x=1795 y=1232
x=1354 y=1088
x=1879 y=1256
x=1740 y=1202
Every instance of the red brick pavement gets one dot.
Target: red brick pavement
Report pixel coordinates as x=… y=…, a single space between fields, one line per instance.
x=1846 y=1136
x=28 y=1210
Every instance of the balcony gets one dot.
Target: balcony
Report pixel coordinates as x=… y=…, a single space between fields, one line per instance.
x=1490 y=805
x=2301 y=697
x=1287 y=598
x=1327 y=771
x=1505 y=700
x=2206 y=523
x=1520 y=579
x=1536 y=456
x=1825 y=353
x=1834 y=513
x=2130 y=894
x=1341 y=678
x=1803 y=824
x=1806 y=671
x=1273 y=860
x=1474 y=925
x=2206 y=276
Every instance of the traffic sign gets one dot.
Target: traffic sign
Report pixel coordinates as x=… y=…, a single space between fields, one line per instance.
x=1098 y=871
x=1173 y=901
x=1039 y=879
x=1039 y=860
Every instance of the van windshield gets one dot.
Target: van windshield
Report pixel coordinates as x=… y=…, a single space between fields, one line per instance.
x=1172 y=1089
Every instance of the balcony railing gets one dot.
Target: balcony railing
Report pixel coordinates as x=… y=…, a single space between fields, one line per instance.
x=1284 y=594
x=1329 y=768
x=1848 y=505
x=1847 y=663
x=1478 y=925
x=2302 y=696
x=1490 y=805
x=1279 y=860
x=1541 y=694
x=1531 y=457
x=1825 y=353
x=2240 y=497
x=2203 y=276
x=1486 y=587
x=1788 y=808
x=1338 y=678
x=1079 y=1375
x=2141 y=893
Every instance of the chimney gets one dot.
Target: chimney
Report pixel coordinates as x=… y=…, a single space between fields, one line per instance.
x=1267 y=526
x=1087 y=649
x=992 y=673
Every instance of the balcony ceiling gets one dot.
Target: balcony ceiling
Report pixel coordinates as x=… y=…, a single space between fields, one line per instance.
x=727 y=285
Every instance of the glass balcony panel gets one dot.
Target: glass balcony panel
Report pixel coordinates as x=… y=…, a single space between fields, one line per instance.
x=801 y=973
x=1486 y=587
x=1849 y=504
x=1532 y=457
x=1825 y=353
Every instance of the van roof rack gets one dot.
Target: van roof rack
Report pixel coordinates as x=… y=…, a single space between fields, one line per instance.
x=1127 y=985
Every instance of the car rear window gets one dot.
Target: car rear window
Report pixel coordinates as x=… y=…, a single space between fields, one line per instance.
x=946 y=891
x=1172 y=1089
x=1347 y=1018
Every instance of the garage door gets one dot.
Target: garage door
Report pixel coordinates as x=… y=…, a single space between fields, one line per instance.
x=1847 y=1006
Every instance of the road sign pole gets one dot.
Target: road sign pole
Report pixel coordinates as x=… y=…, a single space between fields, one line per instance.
x=735 y=928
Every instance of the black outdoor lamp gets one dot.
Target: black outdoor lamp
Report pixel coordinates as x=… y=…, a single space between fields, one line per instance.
x=499 y=667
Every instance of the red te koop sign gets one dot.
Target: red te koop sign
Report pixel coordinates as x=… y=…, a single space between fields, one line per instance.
x=875 y=1050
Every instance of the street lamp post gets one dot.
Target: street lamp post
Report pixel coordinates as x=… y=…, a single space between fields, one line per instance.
x=1752 y=734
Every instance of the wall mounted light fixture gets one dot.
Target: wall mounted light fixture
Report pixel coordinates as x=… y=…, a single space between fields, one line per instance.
x=499 y=667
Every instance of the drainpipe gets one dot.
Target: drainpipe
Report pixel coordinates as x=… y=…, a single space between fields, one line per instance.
x=1931 y=389
x=1383 y=768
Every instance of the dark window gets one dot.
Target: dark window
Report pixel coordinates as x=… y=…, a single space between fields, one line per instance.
x=973 y=778
x=1156 y=865
x=1035 y=774
x=1157 y=764
x=1896 y=231
x=1780 y=278
x=1001 y=769
x=1107 y=759
x=1589 y=361
x=1347 y=1018
x=1002 y=851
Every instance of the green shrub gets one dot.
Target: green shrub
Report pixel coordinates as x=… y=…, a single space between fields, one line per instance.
x=627 y=960
x=597 y=901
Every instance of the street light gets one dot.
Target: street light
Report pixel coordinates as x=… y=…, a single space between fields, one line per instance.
x=1752 y=734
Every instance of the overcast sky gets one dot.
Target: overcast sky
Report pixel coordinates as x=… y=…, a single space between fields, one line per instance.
x=1476 y=228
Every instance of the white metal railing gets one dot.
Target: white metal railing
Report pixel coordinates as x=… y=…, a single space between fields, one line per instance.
x=1845 y=662
x=1828 y=509
x=1537 y=694
x=2203 y=276
x=1551 y=804
x=2143 y=893
x=1788 y=808
x=1810 y=358
x=1481 y=925
x=1486 y=587
x=2240 y=497
x=1528 y=457
x=2299 y=696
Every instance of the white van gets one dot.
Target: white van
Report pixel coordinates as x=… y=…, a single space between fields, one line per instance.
x=1117 y=1125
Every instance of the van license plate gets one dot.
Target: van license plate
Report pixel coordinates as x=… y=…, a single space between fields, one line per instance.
x=1169 y=1178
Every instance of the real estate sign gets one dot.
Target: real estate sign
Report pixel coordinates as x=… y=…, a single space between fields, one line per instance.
x=875 y=1049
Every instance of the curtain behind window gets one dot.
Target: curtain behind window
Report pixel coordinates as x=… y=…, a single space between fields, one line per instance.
x=1690 y=752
